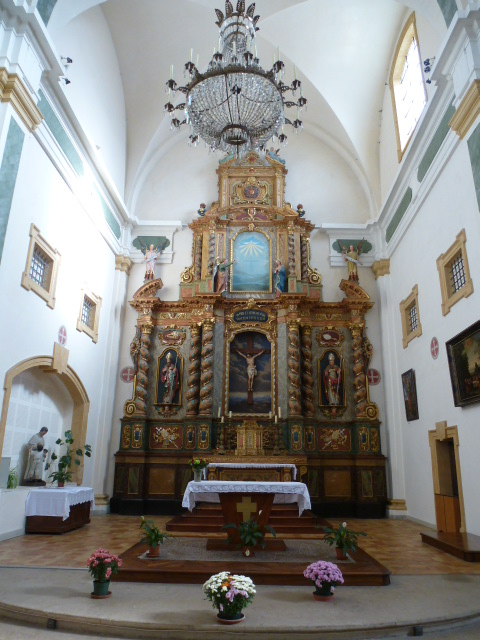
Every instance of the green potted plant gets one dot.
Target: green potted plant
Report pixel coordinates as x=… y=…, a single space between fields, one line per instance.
x=198 y=465
x=12 y=482
x=71 y=455
x=343 y=538
x=250 y=534
x=153 y=536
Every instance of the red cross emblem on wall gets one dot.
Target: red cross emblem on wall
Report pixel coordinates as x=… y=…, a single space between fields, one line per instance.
x=62 y=335
x=127 y=374
x=373 y=377
x=434 y=348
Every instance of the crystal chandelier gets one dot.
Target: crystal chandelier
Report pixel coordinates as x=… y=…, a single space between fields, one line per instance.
x=235 y=106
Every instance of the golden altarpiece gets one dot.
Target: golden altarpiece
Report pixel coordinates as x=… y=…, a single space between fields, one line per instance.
x=251 y=365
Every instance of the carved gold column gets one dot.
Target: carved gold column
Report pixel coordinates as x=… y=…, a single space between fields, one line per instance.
x=211 y=251
x=197 y=258
x=307 y=371
x=304 y=255
x=291 y=252
x=206 y=376
x=194 y=370
x=146 y=326
x=363 y=408
x=294 y=394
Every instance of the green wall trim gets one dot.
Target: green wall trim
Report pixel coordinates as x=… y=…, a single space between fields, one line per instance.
x=474 y=151
x=449 y=9
x=432 y=149
x=60 y=135
x=45 y=8
x=337 y=245
x=8 y=175
x=158 y=241
x=108 y=215
x=399 y=213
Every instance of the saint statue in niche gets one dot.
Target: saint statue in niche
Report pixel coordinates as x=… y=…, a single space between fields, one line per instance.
x=168 y=391
x=330 y=378
x=279 y=278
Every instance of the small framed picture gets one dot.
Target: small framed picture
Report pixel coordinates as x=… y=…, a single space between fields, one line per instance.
x=410 y=395
x=463 y=353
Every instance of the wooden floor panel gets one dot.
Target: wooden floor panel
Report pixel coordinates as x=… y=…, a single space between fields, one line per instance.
x=394 y=543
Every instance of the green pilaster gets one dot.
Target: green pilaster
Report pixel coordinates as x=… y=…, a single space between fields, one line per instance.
x=8 y=175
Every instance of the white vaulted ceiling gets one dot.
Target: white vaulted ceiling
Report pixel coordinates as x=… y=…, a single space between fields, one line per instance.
x=342 y=50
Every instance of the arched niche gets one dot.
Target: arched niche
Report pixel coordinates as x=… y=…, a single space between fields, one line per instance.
x=73 y=386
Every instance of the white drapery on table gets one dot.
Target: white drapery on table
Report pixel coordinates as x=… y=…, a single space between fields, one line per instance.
x=238 y=465
x=57 y=502
x=285 y=492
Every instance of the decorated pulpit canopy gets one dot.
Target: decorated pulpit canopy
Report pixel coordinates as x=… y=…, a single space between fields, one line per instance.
x=251 y=342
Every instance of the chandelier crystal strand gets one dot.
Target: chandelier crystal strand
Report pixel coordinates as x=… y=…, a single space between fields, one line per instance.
x=235 y=106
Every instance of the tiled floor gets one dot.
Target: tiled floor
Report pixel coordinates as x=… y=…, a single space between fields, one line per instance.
x=394 y=543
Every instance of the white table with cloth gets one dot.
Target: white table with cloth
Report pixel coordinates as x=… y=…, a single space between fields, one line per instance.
x=56 y=510
x=210 y=490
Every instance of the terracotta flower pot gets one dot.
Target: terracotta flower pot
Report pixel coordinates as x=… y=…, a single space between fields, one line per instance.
x=341 y=553
x=154 y=552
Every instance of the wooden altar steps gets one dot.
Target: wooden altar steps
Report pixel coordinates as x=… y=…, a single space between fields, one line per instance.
x=465 y=546
x=207 y=520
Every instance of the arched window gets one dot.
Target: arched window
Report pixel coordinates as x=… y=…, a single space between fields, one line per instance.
x=407 y=86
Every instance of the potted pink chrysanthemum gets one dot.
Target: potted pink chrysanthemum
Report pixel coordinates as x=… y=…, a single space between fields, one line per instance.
x=102 y=565
x=325 y=576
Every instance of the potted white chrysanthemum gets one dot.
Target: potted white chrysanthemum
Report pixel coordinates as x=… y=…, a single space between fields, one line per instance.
x=230 y=594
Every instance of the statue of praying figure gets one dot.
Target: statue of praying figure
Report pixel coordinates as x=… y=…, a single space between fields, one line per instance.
x=251 y=368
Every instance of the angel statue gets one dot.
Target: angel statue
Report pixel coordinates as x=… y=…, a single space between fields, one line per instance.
x=351 y=256
x=151 y=256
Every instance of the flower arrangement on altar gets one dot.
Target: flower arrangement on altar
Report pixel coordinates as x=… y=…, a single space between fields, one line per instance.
x=250 y=533
x=325 y=576
x=343 y=538
x=198 y=463
x=102 y=565
x=230 y=594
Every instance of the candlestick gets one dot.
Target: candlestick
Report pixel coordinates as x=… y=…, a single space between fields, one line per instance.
x=219 y=410
x=269 y=415
x=276 y=419
x=279 y=412
x=230 y=414
x=223 y=419
x=171 y=71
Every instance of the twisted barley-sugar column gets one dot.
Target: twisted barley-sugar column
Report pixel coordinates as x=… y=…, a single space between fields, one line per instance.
x=291 y=253
x=198 y=258
x=294 y=394
x=211 y=252
x=206 y=376
x=307 y=371
x=143 y=365
x=194 y=370
x=359 y=379
x=304 y=256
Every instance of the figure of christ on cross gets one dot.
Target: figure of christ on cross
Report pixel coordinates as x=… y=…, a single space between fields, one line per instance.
x=249 y=354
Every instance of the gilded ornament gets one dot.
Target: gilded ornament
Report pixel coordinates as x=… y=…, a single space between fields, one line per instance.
x=126 y=436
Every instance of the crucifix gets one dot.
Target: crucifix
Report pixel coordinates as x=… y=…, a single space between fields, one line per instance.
x=247 y=508
x=249 y=354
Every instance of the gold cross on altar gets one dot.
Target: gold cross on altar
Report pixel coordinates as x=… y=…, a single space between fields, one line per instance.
x=247 y=508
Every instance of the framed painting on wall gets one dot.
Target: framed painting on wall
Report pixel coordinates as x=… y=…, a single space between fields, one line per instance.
x=463 y=353
x=410 y=395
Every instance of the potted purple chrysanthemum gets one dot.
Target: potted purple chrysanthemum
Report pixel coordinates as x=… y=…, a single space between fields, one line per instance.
x=325 y=576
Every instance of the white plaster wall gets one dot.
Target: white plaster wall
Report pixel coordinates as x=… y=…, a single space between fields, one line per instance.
x=30 y=327
x=96 y=89
x=318 y=177
x=12 y=512
x=442 y=215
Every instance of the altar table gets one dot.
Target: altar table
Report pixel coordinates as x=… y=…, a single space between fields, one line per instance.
x=210 y=490
x=56 y=510
x=238 y=471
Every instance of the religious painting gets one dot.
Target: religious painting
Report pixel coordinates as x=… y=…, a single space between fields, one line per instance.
x=331 y=380
x=410 y=395
x=169 y=378
x=250 y=374
x=464 y=361
x=251 y=271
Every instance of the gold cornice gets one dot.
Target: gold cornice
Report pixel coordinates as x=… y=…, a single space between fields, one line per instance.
x=381 y=268
x=467 y=111
x=13 y=90
x=122 y=263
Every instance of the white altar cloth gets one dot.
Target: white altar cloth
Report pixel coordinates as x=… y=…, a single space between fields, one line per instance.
x=57 y=502
x=239 y=465
x=285 y=492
